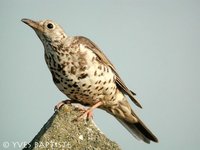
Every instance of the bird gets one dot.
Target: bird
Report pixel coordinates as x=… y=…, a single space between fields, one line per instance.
x=82 y=72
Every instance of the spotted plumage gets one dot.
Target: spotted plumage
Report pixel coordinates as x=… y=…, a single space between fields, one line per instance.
x=83 y=73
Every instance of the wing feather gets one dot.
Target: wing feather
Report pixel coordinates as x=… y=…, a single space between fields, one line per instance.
x=103 y=59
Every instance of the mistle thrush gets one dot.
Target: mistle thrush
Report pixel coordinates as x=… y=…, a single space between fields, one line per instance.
x=83 y=73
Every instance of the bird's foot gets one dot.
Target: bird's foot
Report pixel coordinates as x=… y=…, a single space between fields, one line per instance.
x=88 y=112
x=60 y=104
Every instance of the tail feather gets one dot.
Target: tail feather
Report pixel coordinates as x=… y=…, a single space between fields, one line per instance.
x=139 y=130
x=126 y=116
x=134 y=131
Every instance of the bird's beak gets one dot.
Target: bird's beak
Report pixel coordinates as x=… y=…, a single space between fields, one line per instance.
x=33 y=24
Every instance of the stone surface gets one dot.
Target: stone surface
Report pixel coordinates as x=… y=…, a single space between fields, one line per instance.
x=62 y=131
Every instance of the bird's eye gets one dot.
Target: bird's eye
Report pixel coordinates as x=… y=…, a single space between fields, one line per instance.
x=50 y=25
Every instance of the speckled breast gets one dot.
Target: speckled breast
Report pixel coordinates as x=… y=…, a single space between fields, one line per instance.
x=80 y=76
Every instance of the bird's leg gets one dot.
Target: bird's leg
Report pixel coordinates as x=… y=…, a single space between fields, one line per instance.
x=88 y=112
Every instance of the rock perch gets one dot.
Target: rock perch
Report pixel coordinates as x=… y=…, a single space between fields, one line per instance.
x=62 y=132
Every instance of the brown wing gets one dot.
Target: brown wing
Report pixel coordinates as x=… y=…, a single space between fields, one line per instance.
x=103 y=59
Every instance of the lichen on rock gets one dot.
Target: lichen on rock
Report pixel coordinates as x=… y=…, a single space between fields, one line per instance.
x=62 y=131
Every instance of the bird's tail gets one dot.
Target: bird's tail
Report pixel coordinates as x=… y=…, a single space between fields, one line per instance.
x=122 y=111
x=138 y=130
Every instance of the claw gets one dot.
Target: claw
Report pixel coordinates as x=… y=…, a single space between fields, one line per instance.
x=88 y=113
x=80 y=108
x=60 y=104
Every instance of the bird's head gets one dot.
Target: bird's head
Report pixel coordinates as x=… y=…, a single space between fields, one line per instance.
x=47 y=30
